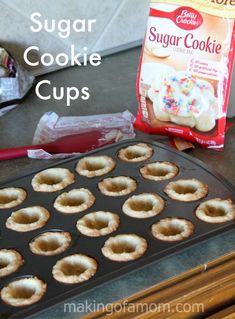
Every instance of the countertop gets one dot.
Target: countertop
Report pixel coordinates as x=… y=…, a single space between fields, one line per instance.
x=112 y=87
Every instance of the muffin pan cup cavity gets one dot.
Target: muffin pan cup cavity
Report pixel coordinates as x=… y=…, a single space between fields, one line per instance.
x=41 y=266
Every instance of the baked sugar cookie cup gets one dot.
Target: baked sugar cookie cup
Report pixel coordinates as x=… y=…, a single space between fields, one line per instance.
x=11 y=197
x=52 y=180
x=117 y=186
x=98 y=224
x=135 y=153
x=124 y=247
x=74 y=201
x=144 y=205
x=186 y=190
x=93 y=166
x=50 y=243
x=23 y=292
x=74 y=269
x=216 y=211
x=159 y=171
x=28 y=219
x=172 y=229
x=10 y=261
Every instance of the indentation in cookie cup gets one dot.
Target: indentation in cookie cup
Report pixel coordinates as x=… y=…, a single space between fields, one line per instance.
x=159 y=171
x=28 y=219
x=75 y=269
x=97 y=224
x=117 y=186
x=11 y=197
x=215 y=211
x=186 y=190
x=94 y=166
x=74 y=201
x=51 y=242
x=173 y=232
x=124 y=247
x=23 y=291
x=143 y=206
x=135 y=153
x=10 y=261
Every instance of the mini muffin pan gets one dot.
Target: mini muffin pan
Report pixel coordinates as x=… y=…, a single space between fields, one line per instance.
x=41 y=266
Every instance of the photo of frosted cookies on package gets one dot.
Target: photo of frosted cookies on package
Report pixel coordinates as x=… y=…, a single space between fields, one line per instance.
x=149 y=81
x=185 y=100
x=157 y=50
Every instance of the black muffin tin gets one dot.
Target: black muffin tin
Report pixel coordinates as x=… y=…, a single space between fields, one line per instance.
x=41 y=266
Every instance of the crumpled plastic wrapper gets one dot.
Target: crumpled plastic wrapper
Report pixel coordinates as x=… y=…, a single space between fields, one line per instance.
x=15 y=82
x=114 y=127
x=41 y=154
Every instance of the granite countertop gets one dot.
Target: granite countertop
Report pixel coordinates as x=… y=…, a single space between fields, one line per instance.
x=112 y=90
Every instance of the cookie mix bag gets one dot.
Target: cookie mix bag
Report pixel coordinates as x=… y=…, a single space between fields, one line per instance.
x=15 y=82
x=185 y=70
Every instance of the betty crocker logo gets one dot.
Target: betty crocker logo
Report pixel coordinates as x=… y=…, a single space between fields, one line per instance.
x=185 y=18
x=188 y=18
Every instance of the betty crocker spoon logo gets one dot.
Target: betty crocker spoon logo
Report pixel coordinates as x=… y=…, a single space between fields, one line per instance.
x=185 y=18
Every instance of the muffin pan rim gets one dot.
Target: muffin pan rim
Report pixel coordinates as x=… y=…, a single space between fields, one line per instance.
x=196 y=161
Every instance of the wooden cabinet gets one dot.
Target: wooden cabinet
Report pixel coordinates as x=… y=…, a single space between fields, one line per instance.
x=207 y=291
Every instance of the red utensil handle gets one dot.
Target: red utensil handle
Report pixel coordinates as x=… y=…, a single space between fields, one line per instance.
x=16 y=152
x=81 y=143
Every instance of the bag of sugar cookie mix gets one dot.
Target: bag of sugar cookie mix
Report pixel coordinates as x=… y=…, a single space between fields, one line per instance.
x=185 y=70
x=15 y=82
